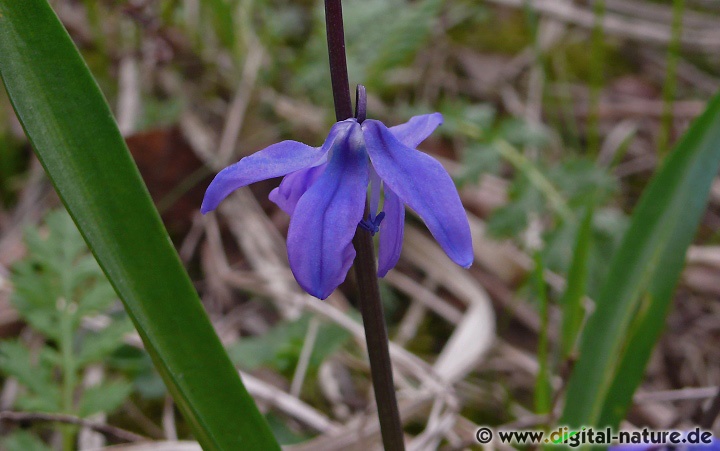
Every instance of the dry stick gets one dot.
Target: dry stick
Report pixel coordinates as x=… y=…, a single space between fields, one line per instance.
x=640 y=29
x=712 y=413
x=106 y=429
x=370 y=304
x=304 y=359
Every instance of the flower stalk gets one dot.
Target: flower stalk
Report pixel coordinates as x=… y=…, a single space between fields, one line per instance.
x=370 y=303
x=333 y=219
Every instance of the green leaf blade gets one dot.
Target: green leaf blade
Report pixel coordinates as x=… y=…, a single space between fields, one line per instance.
x=77 y=141
x=631 y=308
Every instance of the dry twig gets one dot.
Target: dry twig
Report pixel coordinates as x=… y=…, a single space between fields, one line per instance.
x=21 y=417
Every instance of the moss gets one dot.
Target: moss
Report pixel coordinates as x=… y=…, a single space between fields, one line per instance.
x=579 y=65
x=503 y=31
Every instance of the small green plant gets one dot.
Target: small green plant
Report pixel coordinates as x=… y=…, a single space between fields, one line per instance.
x=554 y=194
x=57 y=287
x=281 y=346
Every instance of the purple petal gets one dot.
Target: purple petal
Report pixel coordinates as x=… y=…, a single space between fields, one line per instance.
x=321 y=230
x=274 y=161
x=423 y=184
x=391 y=232
x=375 y=185
x=293 y=186
x=417 y=129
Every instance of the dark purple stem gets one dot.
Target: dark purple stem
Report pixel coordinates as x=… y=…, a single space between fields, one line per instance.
x=338 y=62
x=365 y=272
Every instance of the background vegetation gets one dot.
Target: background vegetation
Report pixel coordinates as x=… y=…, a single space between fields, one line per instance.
x=557 y=116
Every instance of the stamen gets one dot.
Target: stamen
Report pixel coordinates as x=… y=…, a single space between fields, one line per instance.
x=372 y=225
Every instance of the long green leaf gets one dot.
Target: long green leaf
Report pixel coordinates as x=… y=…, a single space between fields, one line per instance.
x=75 y=137
x=632 y=306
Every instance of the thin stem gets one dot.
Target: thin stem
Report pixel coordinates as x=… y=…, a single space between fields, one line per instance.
x=376 y=338
x=370 y=303
x=543 y=388
x=666 y=122
x=597 y=67
x=338 y=62
x=68 y=370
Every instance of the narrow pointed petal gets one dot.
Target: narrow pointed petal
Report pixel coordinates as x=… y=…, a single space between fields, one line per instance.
x=322 y=227
x=423 y=184
x=391 y=232
x=417 y=129
x=293 y=186
x=274 y=161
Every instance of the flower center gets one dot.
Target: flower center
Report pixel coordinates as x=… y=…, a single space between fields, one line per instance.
x=372 y=225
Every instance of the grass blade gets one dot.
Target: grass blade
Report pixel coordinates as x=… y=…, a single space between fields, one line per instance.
x=576 y=286
x=75 y=137
x=543 y=387
x=669 y=87
x=632 y=306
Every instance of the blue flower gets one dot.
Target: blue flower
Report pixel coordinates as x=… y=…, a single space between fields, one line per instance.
x=325 y=190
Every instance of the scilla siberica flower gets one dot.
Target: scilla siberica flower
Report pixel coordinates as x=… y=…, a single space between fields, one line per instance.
x=324 y=191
